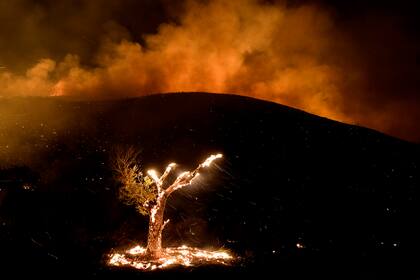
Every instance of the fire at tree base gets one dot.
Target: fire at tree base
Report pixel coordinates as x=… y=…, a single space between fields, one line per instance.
x=171 y=257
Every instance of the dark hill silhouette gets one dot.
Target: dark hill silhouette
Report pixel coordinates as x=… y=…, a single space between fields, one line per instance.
x=347 y=194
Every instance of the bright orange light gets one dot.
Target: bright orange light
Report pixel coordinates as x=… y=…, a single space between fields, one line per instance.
x=171 y=256
x=210 y=159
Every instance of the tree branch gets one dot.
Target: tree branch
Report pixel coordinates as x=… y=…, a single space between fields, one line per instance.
x=186 y=178
x=167 y=172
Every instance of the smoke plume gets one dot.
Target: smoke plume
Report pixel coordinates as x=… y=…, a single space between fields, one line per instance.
x=360 y=72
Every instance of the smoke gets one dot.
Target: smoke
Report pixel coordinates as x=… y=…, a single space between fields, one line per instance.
x=299 y=56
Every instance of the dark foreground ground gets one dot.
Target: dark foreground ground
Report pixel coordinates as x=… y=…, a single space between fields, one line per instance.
x=296 y=195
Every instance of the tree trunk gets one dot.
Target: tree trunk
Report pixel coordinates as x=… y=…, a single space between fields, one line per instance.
x=156 y=225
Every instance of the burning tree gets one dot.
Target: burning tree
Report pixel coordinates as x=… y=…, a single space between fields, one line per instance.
x=149 y=193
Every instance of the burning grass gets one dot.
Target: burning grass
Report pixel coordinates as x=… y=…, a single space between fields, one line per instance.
x=136 y=257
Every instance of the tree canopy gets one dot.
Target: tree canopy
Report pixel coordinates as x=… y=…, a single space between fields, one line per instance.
x=136 y=189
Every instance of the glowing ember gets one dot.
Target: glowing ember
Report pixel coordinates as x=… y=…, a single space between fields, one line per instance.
x=210 y=159
x=172 y=256
x=300 y=246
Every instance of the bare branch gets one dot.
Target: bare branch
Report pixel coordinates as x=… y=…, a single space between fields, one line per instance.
x=168 y=170
x=186 y=178
x=152 y=174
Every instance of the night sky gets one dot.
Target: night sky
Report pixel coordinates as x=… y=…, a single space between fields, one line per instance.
x=351 y=61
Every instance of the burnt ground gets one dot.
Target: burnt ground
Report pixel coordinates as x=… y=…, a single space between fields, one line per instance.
x=296 y=195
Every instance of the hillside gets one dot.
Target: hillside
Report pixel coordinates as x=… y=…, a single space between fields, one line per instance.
x=296 y=193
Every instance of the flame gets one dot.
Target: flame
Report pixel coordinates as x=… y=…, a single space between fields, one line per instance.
x=182 y=175
x=137 y=250
x=159 y=180
x=210 y=159
x=153 y=174
x=167 y=170
x=171 y=256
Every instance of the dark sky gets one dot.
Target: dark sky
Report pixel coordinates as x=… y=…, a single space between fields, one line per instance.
x=363 y=57
x=57 y=19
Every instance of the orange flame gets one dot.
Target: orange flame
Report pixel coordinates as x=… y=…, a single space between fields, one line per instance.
x=172 y=256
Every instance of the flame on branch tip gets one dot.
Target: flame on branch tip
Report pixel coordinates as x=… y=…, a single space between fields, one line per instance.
x=153 y=174
x=210 y=159
x=186 y=178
